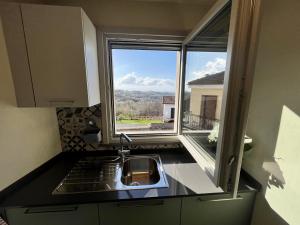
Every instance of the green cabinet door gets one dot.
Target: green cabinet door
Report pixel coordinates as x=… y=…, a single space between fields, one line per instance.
x=144 y=212
x=217 y=210
x=54 y=215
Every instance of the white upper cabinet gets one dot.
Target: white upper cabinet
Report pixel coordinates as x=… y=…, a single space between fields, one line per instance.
x=58 y=50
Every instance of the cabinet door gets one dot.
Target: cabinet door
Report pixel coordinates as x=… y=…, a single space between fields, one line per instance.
x=56 y=52
x=17 y=52
x=54 y=215
x=91 y=59
x=217 y=210
x=146 y=212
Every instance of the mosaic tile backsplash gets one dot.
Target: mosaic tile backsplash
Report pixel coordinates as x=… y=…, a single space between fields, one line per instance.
x=73 y=122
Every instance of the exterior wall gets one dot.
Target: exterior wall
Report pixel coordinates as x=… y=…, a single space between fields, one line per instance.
x=274 y=116
x=167 y=111
x=196 y=95
x=28 y=136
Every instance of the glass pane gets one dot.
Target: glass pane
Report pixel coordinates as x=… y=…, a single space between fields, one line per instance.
x=203 y=92
x=144 y=90
x=204 y=83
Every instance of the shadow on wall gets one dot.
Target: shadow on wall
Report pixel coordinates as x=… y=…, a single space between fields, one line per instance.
x=274 y=115
x=269 y=215
x=275 y=174
x=274 y=162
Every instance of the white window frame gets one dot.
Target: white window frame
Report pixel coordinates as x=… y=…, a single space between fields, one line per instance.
x=239 y=74
x=133 y=41
x=241 y=50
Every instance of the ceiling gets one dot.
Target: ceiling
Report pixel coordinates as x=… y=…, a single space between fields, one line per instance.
x=210 y=2
x=201 y=2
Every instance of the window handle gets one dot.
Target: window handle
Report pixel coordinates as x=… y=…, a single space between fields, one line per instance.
x=231 y=160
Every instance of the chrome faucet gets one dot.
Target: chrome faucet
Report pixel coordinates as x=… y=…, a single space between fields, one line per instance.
x=122 y=152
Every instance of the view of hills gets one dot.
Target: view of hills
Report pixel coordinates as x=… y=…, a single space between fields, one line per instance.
x=133 y=104
x=140 y=96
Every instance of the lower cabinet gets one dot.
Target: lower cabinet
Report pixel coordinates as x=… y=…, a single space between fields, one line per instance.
x=217 y=210
x=145 y=212
x=54 y=215
x=197 y=210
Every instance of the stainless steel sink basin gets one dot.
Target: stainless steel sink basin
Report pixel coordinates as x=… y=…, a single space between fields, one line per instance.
x=140 y=171
x=98 y=174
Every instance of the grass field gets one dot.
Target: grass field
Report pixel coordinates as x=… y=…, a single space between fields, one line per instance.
x=138 y=121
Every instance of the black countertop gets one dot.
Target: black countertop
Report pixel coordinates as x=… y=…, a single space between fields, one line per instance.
x=185 y=178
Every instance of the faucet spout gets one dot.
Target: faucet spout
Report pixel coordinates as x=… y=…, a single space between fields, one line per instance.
x=123 y=152
x=125 y=136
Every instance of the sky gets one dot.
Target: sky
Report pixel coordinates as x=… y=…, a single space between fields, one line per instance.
x=154 y=70
x=200 y=64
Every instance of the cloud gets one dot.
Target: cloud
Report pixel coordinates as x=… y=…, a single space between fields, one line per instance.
x=127 y=79
x=133 y=79
x=211 y=67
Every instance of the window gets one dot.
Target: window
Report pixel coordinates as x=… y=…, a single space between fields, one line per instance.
x=203 y=92
x=211 y=124
x=144 y=89
x=205 y=89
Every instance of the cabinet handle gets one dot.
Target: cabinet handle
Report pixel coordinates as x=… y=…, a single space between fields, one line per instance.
x=51 y=209
x=220 y=199
x=140 y=204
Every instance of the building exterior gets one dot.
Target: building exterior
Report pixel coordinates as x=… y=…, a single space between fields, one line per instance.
x=205 y=102
x=206 y=96
x=168 y=108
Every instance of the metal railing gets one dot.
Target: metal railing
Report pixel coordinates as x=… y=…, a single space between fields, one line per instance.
x=197 y=122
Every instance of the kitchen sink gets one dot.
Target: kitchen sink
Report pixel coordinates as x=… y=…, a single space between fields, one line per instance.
x=100 y=174
x=140 y=171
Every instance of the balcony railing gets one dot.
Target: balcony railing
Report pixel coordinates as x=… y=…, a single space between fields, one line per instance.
x=197 y=122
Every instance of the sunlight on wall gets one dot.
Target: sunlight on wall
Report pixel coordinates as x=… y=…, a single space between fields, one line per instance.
x=287 y=155
x=274 y=112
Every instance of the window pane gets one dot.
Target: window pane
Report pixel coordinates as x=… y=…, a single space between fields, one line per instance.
x=144 y=90
x=203 y=92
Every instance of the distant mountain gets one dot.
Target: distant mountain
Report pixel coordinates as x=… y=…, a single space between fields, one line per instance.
x=140 y=96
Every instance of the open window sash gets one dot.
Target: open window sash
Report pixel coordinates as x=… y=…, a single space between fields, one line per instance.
x=225 y=168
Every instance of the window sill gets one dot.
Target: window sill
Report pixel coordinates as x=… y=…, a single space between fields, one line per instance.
x=150 y=139
x=204 y=161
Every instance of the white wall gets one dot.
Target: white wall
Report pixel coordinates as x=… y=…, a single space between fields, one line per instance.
x=28 y=136
x=167 y=111
x=274 y=117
